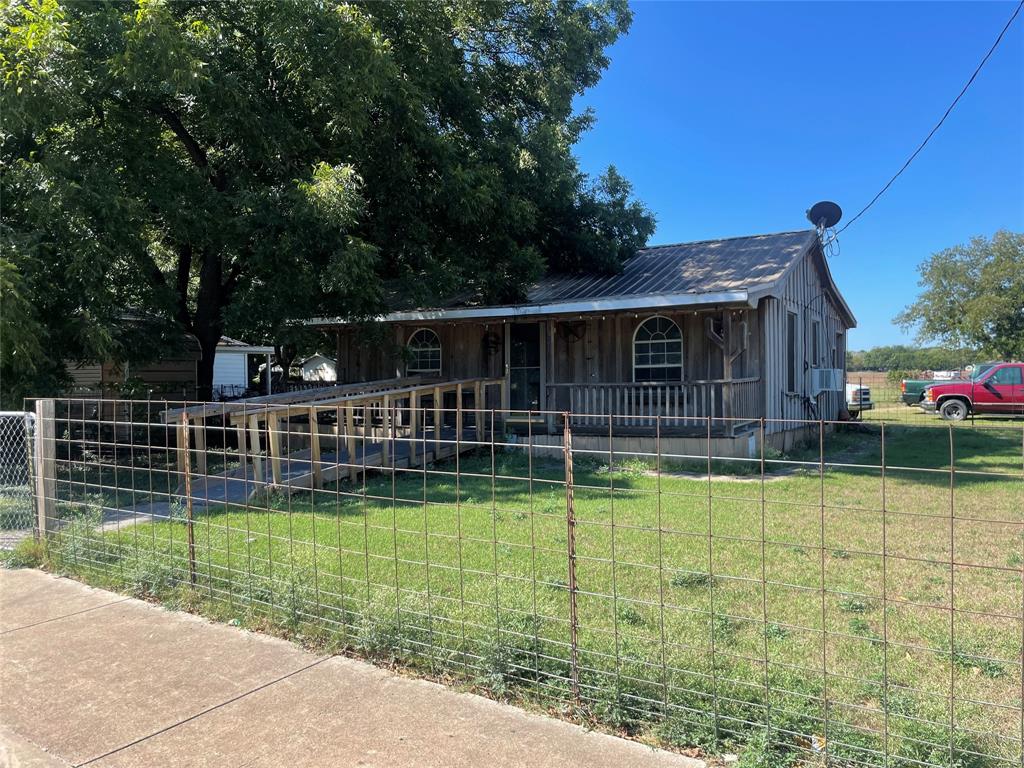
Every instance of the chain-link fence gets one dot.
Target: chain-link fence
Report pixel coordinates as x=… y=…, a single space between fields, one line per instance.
x=17 y=512
x=827 y=593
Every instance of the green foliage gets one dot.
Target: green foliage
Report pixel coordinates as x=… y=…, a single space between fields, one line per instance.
x=969 y=659
x=149 y=574
x=904 y=362
x=222 y=167
x=973 y=295
x=687 y=579
x=27 y=553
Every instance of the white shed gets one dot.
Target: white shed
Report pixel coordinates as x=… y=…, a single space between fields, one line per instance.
x=318 y=368
x=231 y=366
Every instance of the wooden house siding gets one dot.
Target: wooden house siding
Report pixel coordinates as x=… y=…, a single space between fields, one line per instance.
x=804 y=294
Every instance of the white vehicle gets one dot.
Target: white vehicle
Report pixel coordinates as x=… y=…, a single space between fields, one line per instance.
x=858 y=399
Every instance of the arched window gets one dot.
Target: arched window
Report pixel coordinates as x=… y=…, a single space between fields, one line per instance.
x=657 y=351
x=424 y=353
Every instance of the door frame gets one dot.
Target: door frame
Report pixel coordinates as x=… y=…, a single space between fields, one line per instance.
x=506 y=393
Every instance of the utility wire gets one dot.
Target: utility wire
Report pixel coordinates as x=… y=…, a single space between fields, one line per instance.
x=938 y=124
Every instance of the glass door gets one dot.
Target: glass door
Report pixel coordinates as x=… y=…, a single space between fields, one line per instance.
x=524 y=368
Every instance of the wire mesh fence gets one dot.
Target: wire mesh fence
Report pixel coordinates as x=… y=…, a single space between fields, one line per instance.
x=837 y=593
x=17 y=510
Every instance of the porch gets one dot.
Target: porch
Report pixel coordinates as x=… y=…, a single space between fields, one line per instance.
x=726 y=407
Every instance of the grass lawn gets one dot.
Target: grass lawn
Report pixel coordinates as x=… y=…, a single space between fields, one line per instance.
x=711 y=610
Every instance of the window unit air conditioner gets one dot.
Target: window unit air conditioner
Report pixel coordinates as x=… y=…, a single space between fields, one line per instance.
x=824 y=380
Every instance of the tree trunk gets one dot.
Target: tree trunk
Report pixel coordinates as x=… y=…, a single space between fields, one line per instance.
x=208 y=324
x=204 y=368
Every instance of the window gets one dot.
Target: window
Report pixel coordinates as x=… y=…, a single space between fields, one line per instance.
x=791 y=372
x=816 y=357
x=657 y=351
x=424 y=353
x=1008 y=376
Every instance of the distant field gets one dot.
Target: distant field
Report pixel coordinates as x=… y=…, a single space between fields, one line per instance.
x=709 y=609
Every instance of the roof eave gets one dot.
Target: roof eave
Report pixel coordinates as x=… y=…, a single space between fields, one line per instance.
x=582 y=307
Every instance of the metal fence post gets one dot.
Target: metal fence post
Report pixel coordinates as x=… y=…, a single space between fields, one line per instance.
x=570 y=520
x=45 y=449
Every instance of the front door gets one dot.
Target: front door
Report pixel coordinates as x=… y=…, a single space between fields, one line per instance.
x=524 y=366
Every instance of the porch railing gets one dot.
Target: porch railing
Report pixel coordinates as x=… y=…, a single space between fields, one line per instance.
x=679 y=404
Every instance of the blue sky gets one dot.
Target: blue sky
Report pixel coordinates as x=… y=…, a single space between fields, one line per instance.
x=732 y=118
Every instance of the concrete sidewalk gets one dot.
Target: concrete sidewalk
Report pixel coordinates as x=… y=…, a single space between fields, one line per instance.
x=92 y=678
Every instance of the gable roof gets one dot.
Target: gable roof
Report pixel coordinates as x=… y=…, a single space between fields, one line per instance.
x=738 y=270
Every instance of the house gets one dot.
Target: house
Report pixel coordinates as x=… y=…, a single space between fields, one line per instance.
x=317 y=367
x=172 y=375
x=236 y=364
x=709 y=336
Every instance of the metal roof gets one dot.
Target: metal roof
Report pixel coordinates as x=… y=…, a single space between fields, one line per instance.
x=709 y=266
x=737 y=270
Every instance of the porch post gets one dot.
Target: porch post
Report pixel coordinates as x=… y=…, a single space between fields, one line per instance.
x=727 y=409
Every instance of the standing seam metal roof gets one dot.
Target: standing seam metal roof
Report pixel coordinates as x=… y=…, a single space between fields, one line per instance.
x=709 y=266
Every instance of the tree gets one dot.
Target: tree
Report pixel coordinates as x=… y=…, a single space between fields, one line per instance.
x=232 y=166
x=900 y=357
x=973 y=296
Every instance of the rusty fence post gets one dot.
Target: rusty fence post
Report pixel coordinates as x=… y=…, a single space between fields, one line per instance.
x=570 y=520
x=188 y=499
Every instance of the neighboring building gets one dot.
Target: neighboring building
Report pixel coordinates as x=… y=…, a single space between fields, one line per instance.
x=236 y=365
x=171 y=376
x=317 y=367
x=737 y=330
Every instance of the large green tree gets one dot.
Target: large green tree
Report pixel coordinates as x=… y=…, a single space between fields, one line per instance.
x=973 y=295
x=228 y=166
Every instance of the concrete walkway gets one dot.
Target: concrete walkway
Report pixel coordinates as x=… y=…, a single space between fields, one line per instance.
x=92 y=678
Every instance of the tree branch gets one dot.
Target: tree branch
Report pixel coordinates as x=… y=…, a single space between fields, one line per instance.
x=172 y=121
x=192 y=147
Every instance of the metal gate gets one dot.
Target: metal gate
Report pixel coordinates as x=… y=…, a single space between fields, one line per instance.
x=17 y=513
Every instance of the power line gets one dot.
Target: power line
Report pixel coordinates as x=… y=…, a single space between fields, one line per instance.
x=938 y=124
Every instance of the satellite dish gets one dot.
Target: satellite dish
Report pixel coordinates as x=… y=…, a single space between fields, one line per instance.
x=824 y=215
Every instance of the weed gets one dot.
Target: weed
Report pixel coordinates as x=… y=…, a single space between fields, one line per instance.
x=853 y=605
x=859 y=626
x=725 y=628
x=691 y=579
x=629 y=615
x=775 y=632
x=149 y=574
x=967 y=660
x=27 y=553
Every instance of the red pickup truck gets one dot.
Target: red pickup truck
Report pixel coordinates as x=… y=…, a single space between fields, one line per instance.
x=995 y=389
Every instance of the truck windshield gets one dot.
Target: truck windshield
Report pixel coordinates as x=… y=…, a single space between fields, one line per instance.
x=981 y=370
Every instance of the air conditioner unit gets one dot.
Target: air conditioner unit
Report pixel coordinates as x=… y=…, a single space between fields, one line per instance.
x=824 y=380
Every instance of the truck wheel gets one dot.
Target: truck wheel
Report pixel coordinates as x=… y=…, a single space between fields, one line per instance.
x=954 y=410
